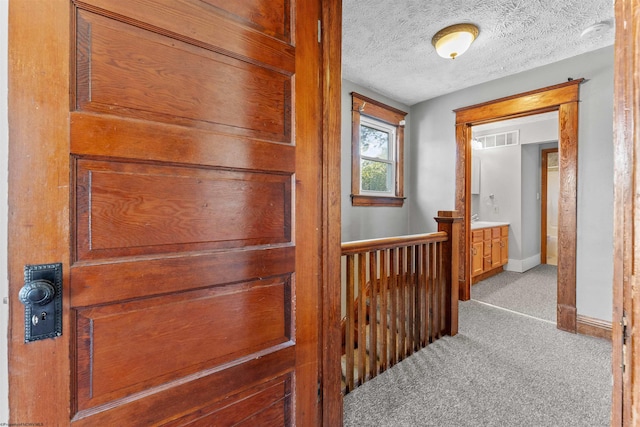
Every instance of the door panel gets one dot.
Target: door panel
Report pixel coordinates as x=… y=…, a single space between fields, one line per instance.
x=114 y=336
x=126 y=209
x=168 y=80
x=192 y=209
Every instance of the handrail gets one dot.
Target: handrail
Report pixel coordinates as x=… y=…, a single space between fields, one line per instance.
x=357 y=246
x=401 y=294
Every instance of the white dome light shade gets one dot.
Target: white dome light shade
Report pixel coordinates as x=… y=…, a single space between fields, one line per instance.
x=453 y=41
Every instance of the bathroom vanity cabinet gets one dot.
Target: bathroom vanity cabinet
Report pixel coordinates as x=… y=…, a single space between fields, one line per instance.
x=489 y=249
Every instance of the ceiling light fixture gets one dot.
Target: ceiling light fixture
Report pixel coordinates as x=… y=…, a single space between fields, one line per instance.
x=453 y=41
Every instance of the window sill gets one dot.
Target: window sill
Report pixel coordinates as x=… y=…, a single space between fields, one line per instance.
x=361 y=200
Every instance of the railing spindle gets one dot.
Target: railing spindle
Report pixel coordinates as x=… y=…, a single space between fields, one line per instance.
x=424 y=270
x=433 y=277
x=409 y=302
x=351 y=315
x=384 y=311
x=440 y=280
x=402 y=286
x=442 y=302
x=393 y=329
x=362 y=318
x=416 y=299
x=373 y=315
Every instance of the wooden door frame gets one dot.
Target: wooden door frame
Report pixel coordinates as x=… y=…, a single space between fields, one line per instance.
x=331 y=332
x=626 y=301
x=543 y=203
x=563 y=98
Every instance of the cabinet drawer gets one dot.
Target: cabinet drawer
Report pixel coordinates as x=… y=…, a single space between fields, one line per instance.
x=495 y=232
x=476 y=236
x=487 y=233
x=505 y=231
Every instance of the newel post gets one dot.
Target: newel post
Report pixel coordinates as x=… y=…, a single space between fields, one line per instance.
x=449 y=222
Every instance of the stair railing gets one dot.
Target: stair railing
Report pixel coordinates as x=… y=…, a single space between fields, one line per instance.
x=410 y=289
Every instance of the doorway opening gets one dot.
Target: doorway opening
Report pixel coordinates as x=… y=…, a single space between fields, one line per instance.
x=506 y=192
x=563 y=98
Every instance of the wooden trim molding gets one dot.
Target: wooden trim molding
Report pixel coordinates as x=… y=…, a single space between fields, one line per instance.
x=593 y=327
x=523 y=104
x=563 y=98
x=625 y=403
x=360 y=200
x=372 y=108
x=331 y=331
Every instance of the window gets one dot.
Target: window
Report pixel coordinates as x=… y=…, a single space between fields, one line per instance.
x=377 y=169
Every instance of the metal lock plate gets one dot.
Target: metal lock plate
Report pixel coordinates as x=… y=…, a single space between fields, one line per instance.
x=42 y=299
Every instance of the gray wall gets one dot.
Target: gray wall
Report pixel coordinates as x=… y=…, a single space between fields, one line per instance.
x=512 y=175
x=500 y=178
x=530 y=200
x=433 y=152
x=365 y=222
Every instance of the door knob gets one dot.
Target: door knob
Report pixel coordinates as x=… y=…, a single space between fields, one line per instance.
x=42 y=299
x=37 y=292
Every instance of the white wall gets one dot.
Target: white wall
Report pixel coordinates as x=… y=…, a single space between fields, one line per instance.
x=4 y=195
x=434 y=150
x=366 y=222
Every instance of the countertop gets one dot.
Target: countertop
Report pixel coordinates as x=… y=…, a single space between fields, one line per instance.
x=486 y=224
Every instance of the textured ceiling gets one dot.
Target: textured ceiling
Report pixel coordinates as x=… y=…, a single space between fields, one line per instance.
x=386 y=44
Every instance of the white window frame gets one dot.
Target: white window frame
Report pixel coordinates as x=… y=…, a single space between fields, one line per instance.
x=373 y=123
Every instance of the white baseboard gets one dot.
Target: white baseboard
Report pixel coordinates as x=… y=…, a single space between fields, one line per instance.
x=522 y=265
x=529 y=263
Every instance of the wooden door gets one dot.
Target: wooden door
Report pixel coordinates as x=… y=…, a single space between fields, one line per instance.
x=168 y=153
x=546 y=156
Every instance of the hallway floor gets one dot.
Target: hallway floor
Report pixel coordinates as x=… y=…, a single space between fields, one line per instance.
x=504 y=368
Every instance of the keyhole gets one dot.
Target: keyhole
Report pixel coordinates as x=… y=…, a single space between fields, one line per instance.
x=43 y=316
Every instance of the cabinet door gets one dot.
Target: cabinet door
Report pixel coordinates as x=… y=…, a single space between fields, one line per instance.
x=496 y=253
x=504 y=245
x=476 y=259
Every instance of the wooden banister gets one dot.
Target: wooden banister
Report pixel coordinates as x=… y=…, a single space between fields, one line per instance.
x=401 y=295
x=391 y=242
x=449 y=222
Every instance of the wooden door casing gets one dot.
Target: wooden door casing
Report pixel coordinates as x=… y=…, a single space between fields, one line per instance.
x=626 y=301
x=564 y=98
x=192 y=210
